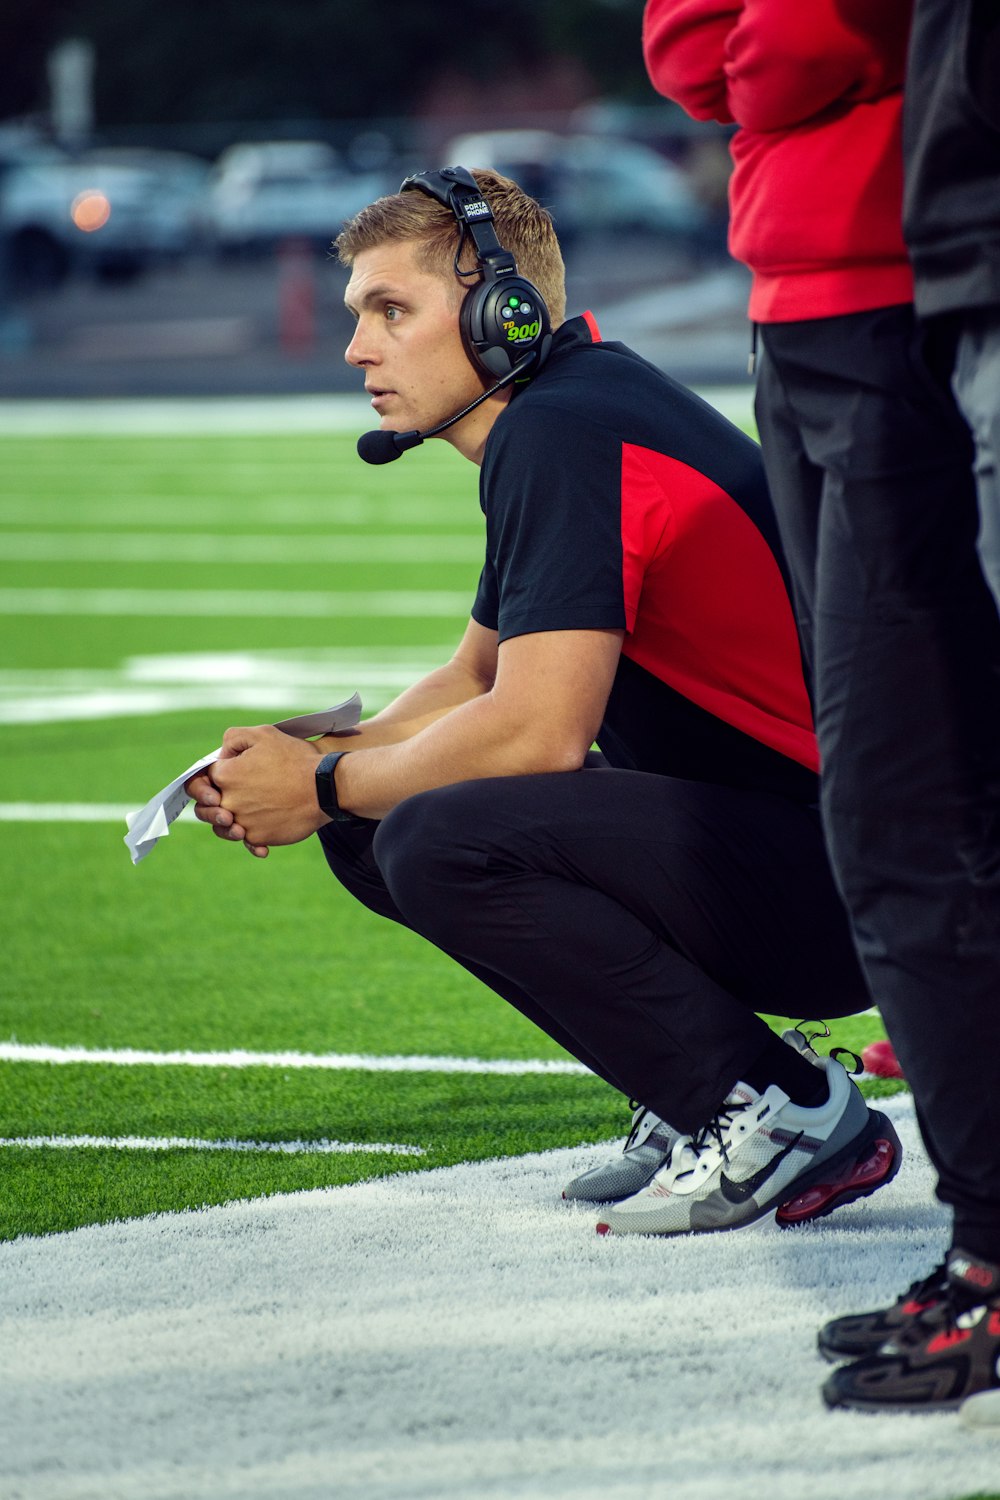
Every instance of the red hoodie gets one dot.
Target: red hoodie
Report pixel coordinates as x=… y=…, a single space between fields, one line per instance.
x=816 y=89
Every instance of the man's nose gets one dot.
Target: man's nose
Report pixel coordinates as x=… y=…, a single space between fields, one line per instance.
x=358 y=351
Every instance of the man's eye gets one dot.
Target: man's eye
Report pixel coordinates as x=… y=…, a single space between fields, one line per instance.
x=391 y=313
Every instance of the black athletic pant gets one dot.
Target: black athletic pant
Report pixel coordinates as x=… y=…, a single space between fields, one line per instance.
x=640 y=920
x=870 y=468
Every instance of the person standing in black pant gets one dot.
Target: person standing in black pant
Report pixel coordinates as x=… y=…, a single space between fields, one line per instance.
x=870 y=470
x=643 y=912
x=947 y=1328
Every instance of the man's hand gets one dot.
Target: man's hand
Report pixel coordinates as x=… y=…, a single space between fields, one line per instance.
x=262 y=789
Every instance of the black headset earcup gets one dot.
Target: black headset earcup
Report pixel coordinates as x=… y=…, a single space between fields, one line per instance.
x=501 y=322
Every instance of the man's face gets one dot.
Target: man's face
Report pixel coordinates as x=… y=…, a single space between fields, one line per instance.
x=407 y=340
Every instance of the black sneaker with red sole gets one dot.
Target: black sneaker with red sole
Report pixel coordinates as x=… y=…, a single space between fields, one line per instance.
x=943 y=1354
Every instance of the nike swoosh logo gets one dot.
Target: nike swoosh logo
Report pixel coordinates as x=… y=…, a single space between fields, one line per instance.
x=739 y=1192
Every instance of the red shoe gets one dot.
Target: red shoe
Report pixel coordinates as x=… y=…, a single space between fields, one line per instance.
x=880 y=1059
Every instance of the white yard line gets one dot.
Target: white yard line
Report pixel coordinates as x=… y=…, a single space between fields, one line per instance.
x=245 y=603
x=262 y=683
x=131 y=1057
x=72 y=812
x=461 y=1334
x=206 y=547
x=188 y=1143
x=251 y=414
x=201 y=414
x=263 y=505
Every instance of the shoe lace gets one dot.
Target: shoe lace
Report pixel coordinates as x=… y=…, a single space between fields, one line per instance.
x=935 y=1282
x=812 y=1036
x=837 y=1053
x=939 y=1300
x=638 y=1115
x=712 y=1136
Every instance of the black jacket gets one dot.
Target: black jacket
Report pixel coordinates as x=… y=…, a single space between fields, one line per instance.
x=951 y=135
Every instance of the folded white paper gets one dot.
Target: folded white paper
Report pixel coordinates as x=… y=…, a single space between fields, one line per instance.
x=153 y=821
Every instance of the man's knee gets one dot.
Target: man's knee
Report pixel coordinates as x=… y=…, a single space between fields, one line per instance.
x=425 y=850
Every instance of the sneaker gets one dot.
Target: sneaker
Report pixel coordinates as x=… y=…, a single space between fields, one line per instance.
x=949 y=1352
x=758 y=1152
x=864 y=1333
x=650 y=1142
x=648 y=1146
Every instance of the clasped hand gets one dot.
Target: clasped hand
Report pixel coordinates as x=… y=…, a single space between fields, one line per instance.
x=261 y=791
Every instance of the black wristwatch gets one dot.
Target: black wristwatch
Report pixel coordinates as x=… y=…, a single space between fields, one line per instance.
x=326 y=790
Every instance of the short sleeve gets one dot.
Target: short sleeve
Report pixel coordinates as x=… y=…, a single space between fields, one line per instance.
x=486 y=604
x=552 y=496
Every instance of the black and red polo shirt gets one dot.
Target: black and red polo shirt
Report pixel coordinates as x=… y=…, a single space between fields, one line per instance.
x=617 y=499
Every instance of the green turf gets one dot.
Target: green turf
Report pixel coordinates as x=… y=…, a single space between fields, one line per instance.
x=201 y=947
x=452 y=1117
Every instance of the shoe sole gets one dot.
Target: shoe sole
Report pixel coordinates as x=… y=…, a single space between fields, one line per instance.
x=872 y=1408
x=855 y=1173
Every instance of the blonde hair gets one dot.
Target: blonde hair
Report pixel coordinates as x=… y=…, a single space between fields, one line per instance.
x=522 y=226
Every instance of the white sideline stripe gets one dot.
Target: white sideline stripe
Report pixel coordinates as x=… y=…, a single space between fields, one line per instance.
x=253 y=414
x=130 y=1057
x=72 y=812
x=169 y=512
x=205 y=547
x=265 y=603
x=185 y=1143
x=213 y=414
x=463 y=1334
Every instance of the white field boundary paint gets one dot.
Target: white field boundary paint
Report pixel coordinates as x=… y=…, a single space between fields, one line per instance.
x=261 y=683
x=73 y=812
x=462 y=1334
x=167 y=513
x=254 y=414
x=216 y=547
x=129 y=1057
x=202 y=414
x=186 y=1143
x=268 y=604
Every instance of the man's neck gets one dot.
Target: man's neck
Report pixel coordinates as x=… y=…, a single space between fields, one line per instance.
x=469 y=436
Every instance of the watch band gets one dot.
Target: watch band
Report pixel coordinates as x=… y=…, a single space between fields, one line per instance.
x=326 y=789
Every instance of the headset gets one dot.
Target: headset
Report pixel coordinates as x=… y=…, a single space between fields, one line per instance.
x=504 y=322
x=504 y=318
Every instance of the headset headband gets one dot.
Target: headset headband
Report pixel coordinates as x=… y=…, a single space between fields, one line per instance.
x=458 y=190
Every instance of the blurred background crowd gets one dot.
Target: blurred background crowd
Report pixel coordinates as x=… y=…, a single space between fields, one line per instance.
x=171 y=179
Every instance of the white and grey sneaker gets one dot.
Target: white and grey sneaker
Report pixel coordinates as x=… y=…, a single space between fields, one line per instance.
x=648 y=1146
x=759 y=1151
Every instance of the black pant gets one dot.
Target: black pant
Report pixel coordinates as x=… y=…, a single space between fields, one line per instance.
x=870 y=468
x=640 y=920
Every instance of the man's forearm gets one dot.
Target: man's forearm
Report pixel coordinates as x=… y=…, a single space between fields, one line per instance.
x=476 y=739
x=421 y=704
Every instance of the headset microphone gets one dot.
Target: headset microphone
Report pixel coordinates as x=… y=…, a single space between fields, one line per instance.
x=383 y=447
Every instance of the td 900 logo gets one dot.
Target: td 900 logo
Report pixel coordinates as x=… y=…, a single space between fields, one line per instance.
x=522 y=333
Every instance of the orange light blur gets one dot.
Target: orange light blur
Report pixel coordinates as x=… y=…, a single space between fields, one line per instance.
x=91 y=210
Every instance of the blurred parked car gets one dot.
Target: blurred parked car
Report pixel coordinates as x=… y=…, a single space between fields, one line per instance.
x=591 y=184
x=268 y=191
x=113 y=213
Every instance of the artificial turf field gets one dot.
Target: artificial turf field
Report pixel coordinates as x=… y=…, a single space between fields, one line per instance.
x=155 y=589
